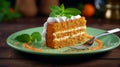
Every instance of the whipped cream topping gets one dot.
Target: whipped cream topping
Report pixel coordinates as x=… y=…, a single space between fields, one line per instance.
x=56 y=19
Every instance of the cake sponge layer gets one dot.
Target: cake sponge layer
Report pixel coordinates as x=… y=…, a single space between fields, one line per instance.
x=66 y=33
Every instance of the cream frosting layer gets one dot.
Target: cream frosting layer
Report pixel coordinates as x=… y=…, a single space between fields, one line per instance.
x=69 y=30
x=56 y=19
x=66 y=37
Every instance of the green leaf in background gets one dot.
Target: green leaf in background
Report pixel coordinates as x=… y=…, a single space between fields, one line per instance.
x=1 y=16
x=16 y=12
x=36 y=36
x=23 y=38
x=5 y=11
x=80 y=7
x=9 y=15
x=4 y=4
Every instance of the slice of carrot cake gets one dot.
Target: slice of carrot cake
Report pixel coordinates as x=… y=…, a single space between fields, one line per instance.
x=62 y=31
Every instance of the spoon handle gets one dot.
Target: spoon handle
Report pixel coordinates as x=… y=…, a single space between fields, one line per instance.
x=114 y=30
x=108 y=32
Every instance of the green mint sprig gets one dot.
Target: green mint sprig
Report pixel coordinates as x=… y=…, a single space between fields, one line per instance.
x=61 y=11
x=26 y=38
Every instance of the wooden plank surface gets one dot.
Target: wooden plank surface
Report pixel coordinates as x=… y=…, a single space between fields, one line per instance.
x=32 y=63
x=12 y=58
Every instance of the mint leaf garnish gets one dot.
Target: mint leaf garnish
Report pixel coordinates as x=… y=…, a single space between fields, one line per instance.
x=72 y=11
x=62 y=8
x=23 y=38
x=55 y=8
x=52 y=14
x=55 y=11
x=61 y=11
x=36 y=36
x=26 y=38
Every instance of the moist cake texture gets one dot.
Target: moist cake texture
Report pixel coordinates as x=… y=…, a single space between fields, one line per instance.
x=64 y=32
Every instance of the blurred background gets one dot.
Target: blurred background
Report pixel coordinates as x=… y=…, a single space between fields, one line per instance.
x=11 y=10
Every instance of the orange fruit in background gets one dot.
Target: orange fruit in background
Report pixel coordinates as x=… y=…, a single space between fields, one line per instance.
x=11 y=10
x=88 y=10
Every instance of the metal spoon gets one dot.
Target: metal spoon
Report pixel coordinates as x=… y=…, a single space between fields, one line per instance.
x=90 y=42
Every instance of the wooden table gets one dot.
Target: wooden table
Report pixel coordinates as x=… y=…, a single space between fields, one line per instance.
x=12 y=58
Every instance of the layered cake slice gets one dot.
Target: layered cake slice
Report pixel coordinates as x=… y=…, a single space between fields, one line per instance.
x=62 y=31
